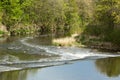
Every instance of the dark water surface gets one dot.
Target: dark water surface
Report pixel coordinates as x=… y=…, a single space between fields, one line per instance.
x=34 y=58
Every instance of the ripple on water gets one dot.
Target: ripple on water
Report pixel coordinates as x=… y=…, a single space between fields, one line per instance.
x=23 y=54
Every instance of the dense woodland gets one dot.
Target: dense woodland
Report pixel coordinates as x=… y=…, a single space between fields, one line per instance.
x=94 y=20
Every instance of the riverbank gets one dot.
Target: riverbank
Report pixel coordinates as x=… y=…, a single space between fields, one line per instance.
x=105 y=47
x=86 y=43
x=95 y=42
x=67 y=41
x=75 y=41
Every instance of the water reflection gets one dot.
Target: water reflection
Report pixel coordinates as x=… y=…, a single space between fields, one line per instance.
x=17 y=75
x=12 y=50
x=42 y=40
x=109 y=66
x=9 y=55
x=6 y=40
x=81 y=70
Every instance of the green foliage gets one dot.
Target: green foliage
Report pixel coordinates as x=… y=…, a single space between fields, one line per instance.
x=1 y=32
x=54 y=16
x=13 y=12
x=115 y=36
x=106 y=22
x=99 y=18
x=57 y=16
x=108 y=15
x=94 y=30
x=72 y=17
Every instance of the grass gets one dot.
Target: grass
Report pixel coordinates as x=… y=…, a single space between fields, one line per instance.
x=1 y=32
x=67 y=41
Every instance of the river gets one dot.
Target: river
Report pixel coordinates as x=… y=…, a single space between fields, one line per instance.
x=35 y=58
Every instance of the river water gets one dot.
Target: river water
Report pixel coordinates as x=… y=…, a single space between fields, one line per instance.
x=35 y=58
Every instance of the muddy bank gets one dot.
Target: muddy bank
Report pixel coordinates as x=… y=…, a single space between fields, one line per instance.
x=104 y=47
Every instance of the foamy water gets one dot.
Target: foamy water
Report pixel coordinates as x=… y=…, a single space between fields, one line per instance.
x=68 y=53
x=65 y=56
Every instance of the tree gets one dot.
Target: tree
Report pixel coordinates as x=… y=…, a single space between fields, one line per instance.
x=13 y=12
x=50 y=15
x=108 y=13
x=72 y=16
x=86 y=11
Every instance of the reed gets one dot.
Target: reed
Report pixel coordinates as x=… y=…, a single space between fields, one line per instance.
x=67 y=41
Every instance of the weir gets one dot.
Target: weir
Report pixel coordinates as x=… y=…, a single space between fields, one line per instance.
x=47 y=55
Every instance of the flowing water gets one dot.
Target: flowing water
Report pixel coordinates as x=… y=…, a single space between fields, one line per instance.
x=26 y=58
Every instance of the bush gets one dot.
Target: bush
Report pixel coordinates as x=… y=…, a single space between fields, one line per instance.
x=115 y=36
x=94 y=30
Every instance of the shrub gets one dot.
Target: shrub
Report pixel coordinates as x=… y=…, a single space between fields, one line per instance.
x=115 y=36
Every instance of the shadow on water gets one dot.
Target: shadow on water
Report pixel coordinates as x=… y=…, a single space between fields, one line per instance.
x=42 y=40
x=109 y=66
